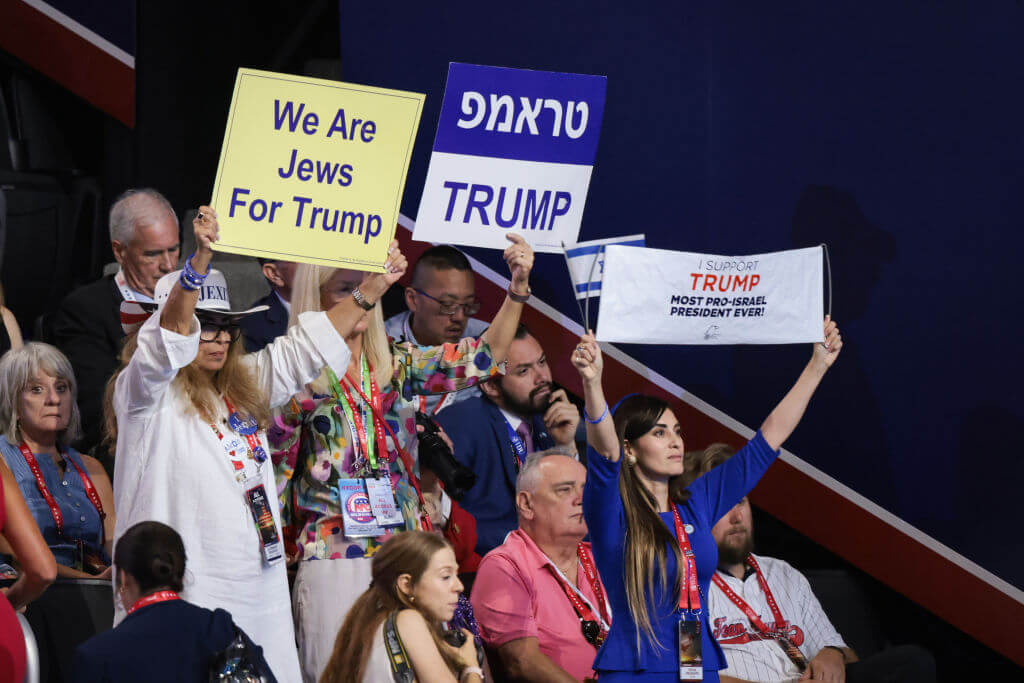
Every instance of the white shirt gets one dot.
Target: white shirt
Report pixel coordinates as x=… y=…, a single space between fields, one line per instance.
x=170 y=467
x=747 y=656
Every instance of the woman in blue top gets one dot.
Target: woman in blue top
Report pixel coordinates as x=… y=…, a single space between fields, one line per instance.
x=632 y=515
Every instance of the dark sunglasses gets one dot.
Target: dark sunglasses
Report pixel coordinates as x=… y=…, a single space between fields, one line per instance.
x=209 y=331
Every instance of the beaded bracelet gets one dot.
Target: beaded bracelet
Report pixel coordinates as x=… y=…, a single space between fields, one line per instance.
x=190 y=278
x=594 y=422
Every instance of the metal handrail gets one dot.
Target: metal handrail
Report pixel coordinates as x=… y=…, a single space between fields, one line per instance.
x=31 y=651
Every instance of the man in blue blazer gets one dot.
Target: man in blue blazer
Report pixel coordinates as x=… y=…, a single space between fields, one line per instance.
x=262 y=328
x=518 y=413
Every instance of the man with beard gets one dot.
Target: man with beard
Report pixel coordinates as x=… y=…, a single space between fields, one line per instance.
x=768 y=621
x=518 y=413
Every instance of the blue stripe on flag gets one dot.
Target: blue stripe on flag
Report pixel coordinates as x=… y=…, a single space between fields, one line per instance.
x=594 y=248
x=595 y=286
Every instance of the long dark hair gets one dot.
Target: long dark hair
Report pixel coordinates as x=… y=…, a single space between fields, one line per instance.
x=646 y=534
x=408 y=552
x=154 y=554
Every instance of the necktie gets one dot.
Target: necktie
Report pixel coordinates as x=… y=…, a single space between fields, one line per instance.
x=523 y=430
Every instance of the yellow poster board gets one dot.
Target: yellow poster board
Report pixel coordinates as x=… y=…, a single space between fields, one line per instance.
x=312 y=170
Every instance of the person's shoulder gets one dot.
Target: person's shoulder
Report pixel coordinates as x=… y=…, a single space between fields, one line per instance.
x=778 y=568
x=468 y=409
x=411 y=624
x=91 y=291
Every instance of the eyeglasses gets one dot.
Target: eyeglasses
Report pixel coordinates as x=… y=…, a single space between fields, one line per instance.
x=209 y=332
x=447 y=308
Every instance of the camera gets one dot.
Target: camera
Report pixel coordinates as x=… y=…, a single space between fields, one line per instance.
x=435 y=456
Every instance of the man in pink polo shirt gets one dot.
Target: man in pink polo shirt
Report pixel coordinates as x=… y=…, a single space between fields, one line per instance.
x=538 y=597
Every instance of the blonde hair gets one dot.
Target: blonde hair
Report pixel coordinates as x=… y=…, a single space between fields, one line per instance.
x=307 y=295
x=236 y=381
x=17 y=368
x=409 y=553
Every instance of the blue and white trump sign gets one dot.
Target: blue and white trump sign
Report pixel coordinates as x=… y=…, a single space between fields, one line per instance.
x=514 y=152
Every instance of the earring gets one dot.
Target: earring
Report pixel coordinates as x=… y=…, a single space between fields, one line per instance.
x=631 y=460
x=412 y=598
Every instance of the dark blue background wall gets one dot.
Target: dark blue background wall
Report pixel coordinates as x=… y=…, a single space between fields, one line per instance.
x=891 y=131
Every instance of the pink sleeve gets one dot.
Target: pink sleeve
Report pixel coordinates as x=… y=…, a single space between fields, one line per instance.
x=503 y=602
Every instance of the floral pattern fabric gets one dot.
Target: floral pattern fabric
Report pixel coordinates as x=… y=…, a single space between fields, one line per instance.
x=311 y=435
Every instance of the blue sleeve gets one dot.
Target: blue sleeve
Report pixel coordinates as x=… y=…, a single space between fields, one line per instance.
x=720 y=489
x=86 y=669
x=602 y=504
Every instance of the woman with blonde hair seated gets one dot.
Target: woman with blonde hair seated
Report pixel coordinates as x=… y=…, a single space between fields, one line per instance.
x=394 y=631
x=68 y=493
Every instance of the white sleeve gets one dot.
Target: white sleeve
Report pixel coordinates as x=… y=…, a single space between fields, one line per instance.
x=818 y=629
x=154 y=365
x=291 y=362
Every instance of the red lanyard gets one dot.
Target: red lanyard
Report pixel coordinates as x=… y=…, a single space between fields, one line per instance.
x=583 y=608
x=379 y=423
x=445 y=400
x=690 y=581
x=747 y=609
x=153 y=598
x=90 y=490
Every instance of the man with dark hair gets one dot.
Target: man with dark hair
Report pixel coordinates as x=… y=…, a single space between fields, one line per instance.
x=87 y=325
x=441 y=301
x=518 y=413
x=768 y=621
x=262 y=328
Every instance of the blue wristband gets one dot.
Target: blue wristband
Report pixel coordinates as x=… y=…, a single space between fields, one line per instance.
x=193 y=277
x=594 y=422
x=186 y=284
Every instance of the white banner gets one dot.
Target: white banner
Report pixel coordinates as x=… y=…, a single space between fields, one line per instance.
x=655 y=296
x=586 y=263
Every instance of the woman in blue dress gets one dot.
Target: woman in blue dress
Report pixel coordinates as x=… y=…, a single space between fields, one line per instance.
x=644 y=525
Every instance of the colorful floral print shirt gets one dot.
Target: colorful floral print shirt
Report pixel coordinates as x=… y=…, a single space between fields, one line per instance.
x=312 y=435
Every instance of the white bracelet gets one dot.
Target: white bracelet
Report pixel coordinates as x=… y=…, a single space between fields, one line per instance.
x=471 y=670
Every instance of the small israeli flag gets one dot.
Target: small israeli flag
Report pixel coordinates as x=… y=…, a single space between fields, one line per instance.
x=586 y=262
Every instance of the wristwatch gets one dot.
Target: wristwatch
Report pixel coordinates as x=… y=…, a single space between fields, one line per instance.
x=519 y=298
x=361 y=300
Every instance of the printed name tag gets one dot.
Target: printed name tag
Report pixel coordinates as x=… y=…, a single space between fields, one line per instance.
x=691 y=664
x=356 y=512
x=382 y=501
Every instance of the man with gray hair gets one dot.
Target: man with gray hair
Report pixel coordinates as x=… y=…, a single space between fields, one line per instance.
x=87 y=326
x=537 y=597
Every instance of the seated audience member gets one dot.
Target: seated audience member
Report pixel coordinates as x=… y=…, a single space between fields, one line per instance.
x=87 y=325
x=68 y=493
x=10 y=333
x=398 y=621
x=163 y=638
x=792 y=638
x=537 y=597
x=259 y=329
x=441 y=300
x=519 y=413
x=38 y=570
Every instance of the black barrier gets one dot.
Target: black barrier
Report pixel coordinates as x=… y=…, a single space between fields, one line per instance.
x=66 y=615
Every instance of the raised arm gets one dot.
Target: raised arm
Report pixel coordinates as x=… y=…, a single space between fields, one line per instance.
x=519 y=257
x=346 y=313
x=38 y=567
x=589 y=362
x=181 y=303
x=781 y=422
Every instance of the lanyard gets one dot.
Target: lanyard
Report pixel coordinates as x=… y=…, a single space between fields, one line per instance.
x=90 y=490
x=579 y=601
x=127 y=293
x=692 y=590
x=359 y=420
x=380 y=424
x=518 y=447
x=791 y=650
x=153 y=598
x=446 y=399
x=249 y=429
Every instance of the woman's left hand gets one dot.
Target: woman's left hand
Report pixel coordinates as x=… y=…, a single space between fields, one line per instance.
x=519 y=257
x=827 y=353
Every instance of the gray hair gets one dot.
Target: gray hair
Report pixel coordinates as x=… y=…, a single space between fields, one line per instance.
x=131 y=206
x=17 y=368
x=529 y=474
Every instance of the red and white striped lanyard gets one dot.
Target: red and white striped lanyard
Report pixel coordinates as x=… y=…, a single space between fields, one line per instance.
x=152 y=599
x=689 y=596
x=446 y=399
x=90 y=490
x=747 y=609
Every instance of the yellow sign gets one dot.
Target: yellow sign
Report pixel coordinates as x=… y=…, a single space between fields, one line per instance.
x=312 y=170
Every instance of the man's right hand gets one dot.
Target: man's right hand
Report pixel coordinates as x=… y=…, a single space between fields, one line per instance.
x=561 y=419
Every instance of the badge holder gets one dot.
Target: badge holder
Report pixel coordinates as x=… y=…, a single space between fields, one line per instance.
x=356 y=511
x=382 y=501
x=259 y=506
x=691 y=664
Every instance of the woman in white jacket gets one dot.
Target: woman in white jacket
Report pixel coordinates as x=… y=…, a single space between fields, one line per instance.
x=189 y=410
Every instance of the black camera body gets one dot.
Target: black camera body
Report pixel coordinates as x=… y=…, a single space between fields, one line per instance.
x=435 y=456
